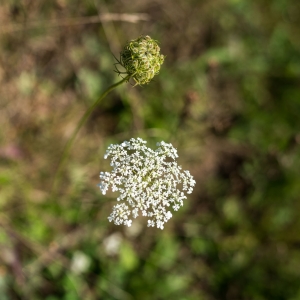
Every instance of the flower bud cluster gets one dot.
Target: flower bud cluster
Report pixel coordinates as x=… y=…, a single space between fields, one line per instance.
x=149 y=182
x=142 y=59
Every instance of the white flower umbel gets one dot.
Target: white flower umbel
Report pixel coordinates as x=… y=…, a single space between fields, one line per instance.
x=148 y=181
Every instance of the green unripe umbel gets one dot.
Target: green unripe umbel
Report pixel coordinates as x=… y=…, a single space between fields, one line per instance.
x=141 y=59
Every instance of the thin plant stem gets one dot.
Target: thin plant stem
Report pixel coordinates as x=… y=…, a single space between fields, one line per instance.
x=78 y=127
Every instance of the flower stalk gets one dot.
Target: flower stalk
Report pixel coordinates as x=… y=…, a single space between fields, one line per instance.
x=82 y=121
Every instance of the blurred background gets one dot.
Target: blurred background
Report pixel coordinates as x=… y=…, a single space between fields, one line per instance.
x=227 y=96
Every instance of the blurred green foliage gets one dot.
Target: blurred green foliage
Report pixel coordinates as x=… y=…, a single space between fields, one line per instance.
x=227 y=96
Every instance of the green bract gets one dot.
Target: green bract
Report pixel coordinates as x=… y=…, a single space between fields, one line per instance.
x=142 y=59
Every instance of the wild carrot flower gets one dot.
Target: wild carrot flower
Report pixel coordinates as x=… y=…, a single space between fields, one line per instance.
x=141 y=59
x=149 y=182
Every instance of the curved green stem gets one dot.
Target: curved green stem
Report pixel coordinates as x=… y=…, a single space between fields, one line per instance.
x=79 y=125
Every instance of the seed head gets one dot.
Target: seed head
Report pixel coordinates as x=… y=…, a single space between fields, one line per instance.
x=141 y=59
x=149 y=182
